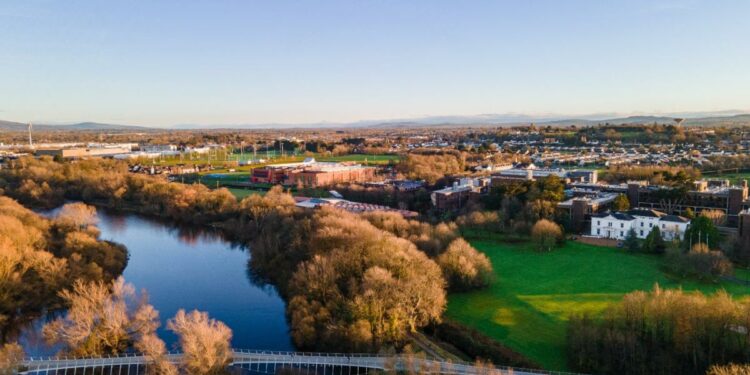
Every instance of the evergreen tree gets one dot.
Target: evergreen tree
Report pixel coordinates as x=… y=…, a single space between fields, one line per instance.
x=702 y=230
x=654 y=243
x=631 y=242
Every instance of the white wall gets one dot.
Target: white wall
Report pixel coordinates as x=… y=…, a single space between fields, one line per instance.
x=610 y=227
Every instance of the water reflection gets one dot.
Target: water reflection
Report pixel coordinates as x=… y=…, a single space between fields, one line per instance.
x=191 y=268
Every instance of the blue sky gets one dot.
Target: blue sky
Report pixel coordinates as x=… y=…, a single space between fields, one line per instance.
x=157 y=62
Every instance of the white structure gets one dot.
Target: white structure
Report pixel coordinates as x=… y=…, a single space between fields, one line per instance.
x=198 y=150
x=463 y=185
x=532 y=172
x=31 y=143
x=616 y=225
x=159 y=148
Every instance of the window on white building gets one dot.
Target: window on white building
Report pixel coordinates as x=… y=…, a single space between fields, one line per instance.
x=641 y=233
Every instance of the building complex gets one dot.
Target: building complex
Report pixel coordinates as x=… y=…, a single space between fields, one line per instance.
x=312 y=173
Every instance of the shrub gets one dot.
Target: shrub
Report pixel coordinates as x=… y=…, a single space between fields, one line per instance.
x=701 y=263
x=545 y=234
x=730 y=369
x=464 y=267
x=11 y=355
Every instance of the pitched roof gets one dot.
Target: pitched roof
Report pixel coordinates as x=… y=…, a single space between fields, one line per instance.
x=646 y=213
x=675 y=219
x=623 y=216
x=616 y=215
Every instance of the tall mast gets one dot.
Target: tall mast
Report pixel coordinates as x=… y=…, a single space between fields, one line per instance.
x=31 y=143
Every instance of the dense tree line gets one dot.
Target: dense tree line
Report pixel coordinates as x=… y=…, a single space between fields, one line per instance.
x=520 y=204
x=46 y=183
x=351 y=285
x=716 y=163
x=363 y=287
x=40 y=257
x=662 y=332
x=431 y=167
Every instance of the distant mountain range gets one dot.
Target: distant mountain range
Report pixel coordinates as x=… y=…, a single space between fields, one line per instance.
x=693 y=119
x=81 y=126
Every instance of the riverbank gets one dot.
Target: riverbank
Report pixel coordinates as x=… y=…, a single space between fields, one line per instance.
x=187 y=267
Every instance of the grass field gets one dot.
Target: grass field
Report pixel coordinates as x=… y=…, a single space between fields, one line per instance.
x=359 y=158
x=223 y=161
x=383 y=159
x=528 y=305
x=242 y=193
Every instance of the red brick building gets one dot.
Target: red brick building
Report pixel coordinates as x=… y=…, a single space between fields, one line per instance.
x=311 y=173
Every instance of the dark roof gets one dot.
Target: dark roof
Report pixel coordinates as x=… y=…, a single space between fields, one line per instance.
x=646 y=213
x=675 y=218
x=623 y=216
x=616 y=215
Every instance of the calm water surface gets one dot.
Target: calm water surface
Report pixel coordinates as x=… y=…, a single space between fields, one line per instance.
x=191 y=269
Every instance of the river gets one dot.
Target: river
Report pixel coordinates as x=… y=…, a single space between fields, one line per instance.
x=190 y=269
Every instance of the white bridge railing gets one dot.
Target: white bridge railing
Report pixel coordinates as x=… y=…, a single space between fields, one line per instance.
x=270 y=362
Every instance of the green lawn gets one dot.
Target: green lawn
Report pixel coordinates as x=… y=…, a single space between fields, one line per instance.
x=359 y=158
x=242 y=193
x=382 y=159
x=528 y=305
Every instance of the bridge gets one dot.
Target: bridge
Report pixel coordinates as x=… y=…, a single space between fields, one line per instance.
x=271 y=361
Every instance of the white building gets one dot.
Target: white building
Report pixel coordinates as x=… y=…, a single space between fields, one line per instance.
x=159 y=148
x=459 y=192
x=532 y=172
x=616 y=225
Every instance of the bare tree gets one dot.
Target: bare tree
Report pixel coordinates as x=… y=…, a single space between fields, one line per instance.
x=11 y=355
x=545 y=234
x=718 y=217
x=156 y=351
x=204 y=342
x=102 y=318
x=79 y=214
